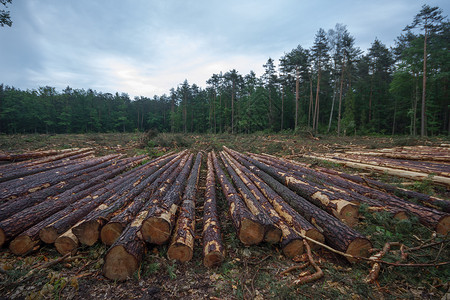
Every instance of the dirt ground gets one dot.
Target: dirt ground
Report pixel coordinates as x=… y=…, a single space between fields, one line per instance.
x=247 y=272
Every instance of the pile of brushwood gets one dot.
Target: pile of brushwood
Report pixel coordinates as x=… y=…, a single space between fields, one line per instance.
x=70 y=198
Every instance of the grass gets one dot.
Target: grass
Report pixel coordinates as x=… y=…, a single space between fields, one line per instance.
x=247 y=272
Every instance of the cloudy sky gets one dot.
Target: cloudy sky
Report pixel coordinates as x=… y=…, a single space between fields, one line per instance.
x=146 y=47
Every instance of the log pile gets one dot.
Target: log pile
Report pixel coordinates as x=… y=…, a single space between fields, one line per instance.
x=417 y=163
x=72 y=199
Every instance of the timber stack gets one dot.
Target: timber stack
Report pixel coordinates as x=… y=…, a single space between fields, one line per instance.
x=71 y=198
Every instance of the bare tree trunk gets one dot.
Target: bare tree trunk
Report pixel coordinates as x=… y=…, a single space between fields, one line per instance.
x=423 y=122
x=310 y=101
x=316 y=108
x=232 y=108
x=296 y=97
x=340 y=102
x=282 y=108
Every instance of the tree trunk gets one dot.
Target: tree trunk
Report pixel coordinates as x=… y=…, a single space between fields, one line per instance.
x=272 y=232
x=88 y=229
x=423 y=121
x=297 y=96
x=337 y=234
x=182 y=245
x=340 y=101
x=31 y=155
x=248 y=227
x=112 y=230
x=157 y=226
x=291 y=242
x=213 y=249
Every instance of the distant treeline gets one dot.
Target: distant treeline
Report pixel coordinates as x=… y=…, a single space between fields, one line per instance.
x=333 y=87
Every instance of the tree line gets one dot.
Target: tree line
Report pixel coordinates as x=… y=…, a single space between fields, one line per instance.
x=333 y=87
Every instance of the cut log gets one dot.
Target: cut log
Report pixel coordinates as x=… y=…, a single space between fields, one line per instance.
x=33 y=183
x=332 y=202
x=93 y=176
x=401 y=173
x=113 y=229
x=125 y=255
x=425 y=199
x=300 y=226
x=272 y=231
x=355 y=193
x=31 y=155
x=14 y=225
x=67 y=243
x=337 y=234
x=213 y=249
x=17 y=171
x=249 y=229
x=88 y=228
x=158 y=225
x=182 y=245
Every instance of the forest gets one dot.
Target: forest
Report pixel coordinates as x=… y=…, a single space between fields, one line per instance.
x=331 y=88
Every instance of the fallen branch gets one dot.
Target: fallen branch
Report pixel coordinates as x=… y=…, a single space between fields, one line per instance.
x=313 y=277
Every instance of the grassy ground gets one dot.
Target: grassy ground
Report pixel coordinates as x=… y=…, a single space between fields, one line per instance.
x=248 y=272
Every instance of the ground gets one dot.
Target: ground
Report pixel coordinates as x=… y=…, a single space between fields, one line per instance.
x=248 y=272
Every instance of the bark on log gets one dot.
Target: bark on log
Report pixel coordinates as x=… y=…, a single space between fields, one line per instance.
x=67 y=243
x=125 y=255
x=337 y=234
x=88 y=229
x=23 y=220
x=15 y=171
x=401 y=173
x=332 y=202
x=291 y=244
x=249 y=229
x=158 y=225
x=33 y=183
x=355 y=192
x=182 y=245
x=113 y=229
x=30 y=155
x=93 y=176
x=444 y=157
x=213 y=249
x=427 y=200
x=272 y=231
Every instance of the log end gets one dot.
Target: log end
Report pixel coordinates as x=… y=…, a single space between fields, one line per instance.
x=443 y=225
x=401 y=216
x=358 y=247
x=22 y=244
x=180 y=252
x=156 y=231
x=273 y=235
x=66 y=244
x=315 y=235
x=212 y=259
x=293 y=248
x=87 y=232
x=111 y=232
x=349 y=214
x=251 y=232
x=119 y=264
x=48 y=235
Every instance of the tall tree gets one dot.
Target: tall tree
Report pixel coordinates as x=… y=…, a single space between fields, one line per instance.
x=429 y=19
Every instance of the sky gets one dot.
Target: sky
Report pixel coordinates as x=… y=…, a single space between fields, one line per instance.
x=146 y=47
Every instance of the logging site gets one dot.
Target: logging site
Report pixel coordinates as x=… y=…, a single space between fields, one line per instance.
x=158 y=216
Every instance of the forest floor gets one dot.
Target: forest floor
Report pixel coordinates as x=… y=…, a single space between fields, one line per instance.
x=247 y=272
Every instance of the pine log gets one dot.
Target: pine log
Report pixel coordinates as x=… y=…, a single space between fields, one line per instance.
x=272 y=231
x=337 y=234
x=401 y=173
x=355 y=192
x=125 y=255
x=182 y=245
x=92 y=176
x=247 y=226
x=409 y=156
x=30 y=155
x=114 y=228
x=425 y=199
x=23 y=220
x=158 y=225
x=67 y=243
x=333 y=202
x=213 y=249
x=291 y=243
x=33 y=183
x=88 y=228
x=15 y=171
